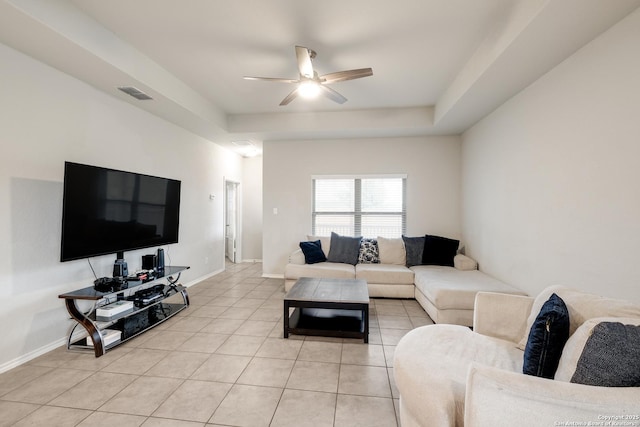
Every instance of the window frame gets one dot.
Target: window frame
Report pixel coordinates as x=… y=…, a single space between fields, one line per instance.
x=357 y=213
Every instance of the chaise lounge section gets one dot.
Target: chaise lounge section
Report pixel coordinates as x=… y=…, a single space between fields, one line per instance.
x=446 y=292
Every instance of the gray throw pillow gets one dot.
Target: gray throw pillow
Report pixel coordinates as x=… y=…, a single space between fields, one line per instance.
x=344 y=249
x=414 y=246
x=611 y=357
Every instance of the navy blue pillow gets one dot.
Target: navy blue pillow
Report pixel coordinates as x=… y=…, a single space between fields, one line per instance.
x=547 y=337
x=439 y=250
x=312 y=251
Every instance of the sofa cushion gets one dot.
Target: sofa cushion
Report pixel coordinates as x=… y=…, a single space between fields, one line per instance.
x=581 y=306
x=439 y=250
x=449 y=288
x=391 y=251
x=322 y=269
x=312 y=252
x=547 y=337
x=414 y=247
x=325 y=242
x=368 y=251
x=384 y=273
x=603 y=351
x=344 y=249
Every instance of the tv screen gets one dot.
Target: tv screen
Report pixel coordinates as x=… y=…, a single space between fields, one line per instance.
x=106 y=211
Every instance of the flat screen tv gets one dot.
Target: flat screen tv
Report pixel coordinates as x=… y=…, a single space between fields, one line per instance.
x=107 y=211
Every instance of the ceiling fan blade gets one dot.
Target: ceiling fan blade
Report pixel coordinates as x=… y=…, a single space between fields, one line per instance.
x=346 y=75
x=271 y=79
x=304 y=62
x=293 y=95
x=333 y=95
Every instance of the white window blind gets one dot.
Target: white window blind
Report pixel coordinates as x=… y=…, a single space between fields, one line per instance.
x=367 y=206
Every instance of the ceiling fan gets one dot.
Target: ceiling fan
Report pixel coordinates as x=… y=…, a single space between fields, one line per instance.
x=310 y=84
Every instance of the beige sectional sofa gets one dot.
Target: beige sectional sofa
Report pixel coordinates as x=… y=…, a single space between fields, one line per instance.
x=446 y=293
x=449 y=375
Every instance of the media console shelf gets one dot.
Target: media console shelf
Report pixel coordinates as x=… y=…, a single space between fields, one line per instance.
x=130 y=323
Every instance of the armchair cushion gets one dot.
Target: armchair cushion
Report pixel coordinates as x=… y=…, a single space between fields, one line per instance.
x=491 y=310
x=547 y=337
x=430 y=368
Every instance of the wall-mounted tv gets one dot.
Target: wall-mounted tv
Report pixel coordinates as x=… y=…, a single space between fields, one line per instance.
x=106 y=211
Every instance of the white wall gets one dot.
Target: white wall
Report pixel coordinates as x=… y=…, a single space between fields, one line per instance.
x=551 y=190
x=47 y=117
x=251 y=189
x=433 y=185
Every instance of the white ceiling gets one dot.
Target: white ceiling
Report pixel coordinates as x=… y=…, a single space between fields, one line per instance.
x=438 y=65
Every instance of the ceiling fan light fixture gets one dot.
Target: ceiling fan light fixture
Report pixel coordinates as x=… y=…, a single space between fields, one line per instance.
x=309 y=89
x=310 y=84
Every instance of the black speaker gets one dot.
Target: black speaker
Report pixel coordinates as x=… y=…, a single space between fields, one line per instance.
x=149 y=262
x=120 y=268
x=160 y=261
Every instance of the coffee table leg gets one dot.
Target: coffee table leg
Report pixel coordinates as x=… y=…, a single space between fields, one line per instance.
x=286 y=319
x=365 y=313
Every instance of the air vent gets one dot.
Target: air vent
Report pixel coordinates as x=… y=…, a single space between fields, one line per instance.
x=135 y=92
x=242 y=143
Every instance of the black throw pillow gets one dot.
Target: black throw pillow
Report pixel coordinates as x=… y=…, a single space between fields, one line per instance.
x=312 y=251
x=547 y=337
x=439 y=250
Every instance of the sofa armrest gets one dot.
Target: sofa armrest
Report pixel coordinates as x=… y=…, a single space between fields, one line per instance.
x=501 y=316
x=463 y=262
x=496 y=397
x=296 y=257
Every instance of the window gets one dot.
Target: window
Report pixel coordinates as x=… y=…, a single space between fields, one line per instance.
x=367 y=206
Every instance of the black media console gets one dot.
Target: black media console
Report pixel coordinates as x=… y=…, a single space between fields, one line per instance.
x=140 y=305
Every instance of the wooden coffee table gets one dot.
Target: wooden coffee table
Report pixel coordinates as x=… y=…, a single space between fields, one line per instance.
x=327 y=307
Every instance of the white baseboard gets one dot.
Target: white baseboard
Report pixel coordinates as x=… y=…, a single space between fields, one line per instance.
x=251 y=260
x=32 y=355
x=201 y=278
x=273 y=276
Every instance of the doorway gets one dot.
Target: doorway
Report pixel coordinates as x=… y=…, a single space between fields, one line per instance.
x=231 y=221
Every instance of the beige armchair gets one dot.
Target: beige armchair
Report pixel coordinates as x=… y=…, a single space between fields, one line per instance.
x=450 y=375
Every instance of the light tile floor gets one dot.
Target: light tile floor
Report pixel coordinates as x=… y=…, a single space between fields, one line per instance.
x=220 y=362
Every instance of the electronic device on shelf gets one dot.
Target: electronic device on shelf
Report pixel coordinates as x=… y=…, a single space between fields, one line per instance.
x=110 y=284
x=149 y=262
x=147 y=296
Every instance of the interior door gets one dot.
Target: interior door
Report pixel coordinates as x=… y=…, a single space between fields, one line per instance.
x=231 y=220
